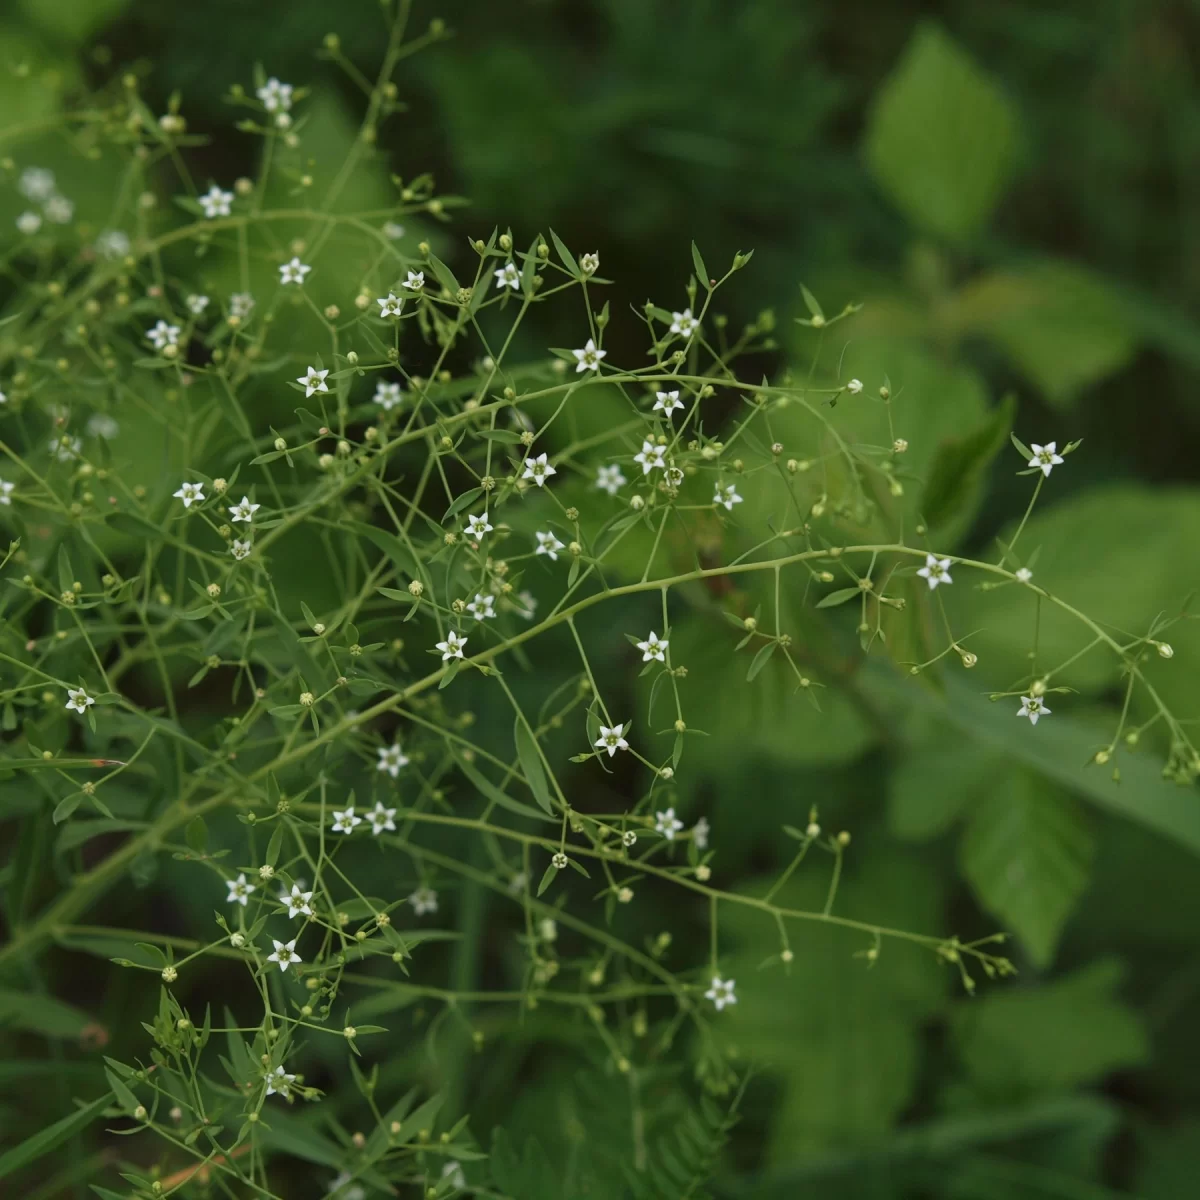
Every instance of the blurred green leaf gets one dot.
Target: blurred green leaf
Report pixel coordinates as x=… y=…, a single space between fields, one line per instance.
x=50 y=1138
x=960 y=464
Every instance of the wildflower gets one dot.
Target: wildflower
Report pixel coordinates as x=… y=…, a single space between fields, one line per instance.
x=854 y=387
x=683 y=323
x=726 y=495
x=59 y=210
x=163 y=335
x=611 y=739
x=381 y=818
x=244 y=510
x=36 y=183
x=721 y=992
x=29 y=223
x=293 y=272
x=1045 y=458
x=548 y=545
x=65 y=448
x=452 y=647
x=478 y=526
x=239 y=890
x=101 y=425
x=482 y=607
x=6 y=490
x=424 y=900
x=700 y=832
x=392 y=230
x=298 y=901
x=526 y=601
x=452 y=1171
x=345 y=821
x=559 y=861
x=538 y=469
x=654 y=648
x=389 y=305
x=279 y=1082
x=391 y=759
x=112 y=243
x=508 y=276
x=1033 y=708
x=314 y=381
x=588 y=359
x=196 y=304
x=216 y=202
x=240 y=304
x=628 y=838
x=609 y=479
x=240 y=549
x=275 y=96
x=667 y=823
x=589 y=263
x=78 y=700
x=548 y=929
x=190 y=493
x=387 y=395
x=415 y=281
x=284 y=954
x=651 y=456
x=1024 y=574
x=667 y=403
x=936 y=570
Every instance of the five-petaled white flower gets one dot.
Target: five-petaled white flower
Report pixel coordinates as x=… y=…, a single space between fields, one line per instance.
x=700 y=832
x=113 y=243
x=452 y=647
x=526 y=604
x=479 y=525
x=415 y=281
x=279 y=1082
x=216 y=202
x=611 y=739
x=652 y=455
x=29 y=223
x=387 y=395
x=59 y=210
x=684 y=323
x=65 y=448
x=548 y=545
x=721 y=992
x=196 y=304
x=588 y=359
x=390 y=305
x=345 y=821
x=1045 y=458
x=293 y=272
x=589 y=263
x=244 y=510
x=538 y=469
x=1024 y=574
x=313 y=380
x=393 y=230
x=36 y=183
x=609 y=479
x=284 y=954
x=667 y=823
x=423 y=900
x=391 y=759
x=508 y=276
x=190 y=493
x=936 y=570
x=6 y=490
x=240 y=549
x=275 y=96
x=654 y=647
x=101 y=425
x=1033 y=708
x=78 y=700
x=163 y=334
x=667 y=403
x=240 y=304
x=381 y=818
x=239 y=890
x=482 y=607
x=726 y=495
x=854 y=387
x=298 y=901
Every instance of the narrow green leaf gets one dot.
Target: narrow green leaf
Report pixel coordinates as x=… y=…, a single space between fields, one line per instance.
x=761 y=659
x=959 y=464
x=839 y=597
x=50 y=1138
x=701 y=269
x=531 y=764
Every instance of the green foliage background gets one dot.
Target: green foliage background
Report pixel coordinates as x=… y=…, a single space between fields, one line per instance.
x=1011 y=189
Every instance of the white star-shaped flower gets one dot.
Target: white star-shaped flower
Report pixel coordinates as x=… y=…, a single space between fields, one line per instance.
x=611 y=739
x=609 y=479
x=721 y=992
x=415 y=281
x=389 y=305
x=482 y=607
x=854 y=387
x=29 y=223
x=314 y=381
x=726 y=496
x=240 y=304
x=936 y=570
x=652 y=455
x=654 y=647
x=452 y=647
x=1033 y=708
x=538 y=469
x=78 y=700
x=1024 y=574
x=387 y=395
x=478 y=526
x=526 y=604
x=666 y=403
x=6 y=490
x=215 y=202
x=345 y=821
x=548 y=545
x=588 y=359
x=244 y=510
x=240 y=549
x=508 y=276
x=293 y=272
x=36 y=183
x=284 y=954
x=101 y=425
x=391 y=759
x=59 y=210
x=275 y=96
x=589 y=263
x=196 y=304
x=684 y=323
x=239 y=890
x=381 y=818
x=190 y=493
x=667 y=823
x=423 y=900
x=65 y=448
x=393 y=230
x=163 y=334
x=700 y=832
x=298 y=901
x=1045 y=458
x=279 y=1083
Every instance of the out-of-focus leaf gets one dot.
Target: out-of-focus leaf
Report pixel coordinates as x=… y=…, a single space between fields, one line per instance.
x=41 y=1014
x=935 y=783
x=50 y=1138
x=960 y=463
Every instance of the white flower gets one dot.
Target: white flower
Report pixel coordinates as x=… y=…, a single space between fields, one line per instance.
x=196 y=304
x=279 y=1082
x=667 y=823
x=654 y=648
x=936 y=570
x=389 y=305
x=298 y=901
x=342 y=1189
x=393 y=230
x=275 y=96
x=101 y=425
x=65 y=448
x=6 y=491
x=589 y=263
x=611 y=739
x=293 y=272
x=651 y=456
x=381 y=818
x=216 y=202
x=684 y=323
x=59 y=210
x=700 y=832
x=190 y=493
x=240 y=549
x=726 y=495
x=667 y=403
x=391 y=759
x=284 y=954
x=423 y=900
x=482 y=607
x=239 y=890
x=240 y=304
x=588 y=359
x=36 y=183
x=163 y=335
x=29 y=223
x=1046 y=457
x=1033 y=708
x=538 y=469
x=548 y=545
x=721 y=992
x=3 y=398
x=112 y=243
x=387 y=395
x=415 y=281
x=244 y=510
x=313 y=380
x=508 y=276
x=854 y=386
x=609 y=479
x=345 y=821
x=1024 y=574
x=453 y=1171
x=452 y=647
x=628 y=838
x=478 y=526
x=548 y=929
x=79 y=700
x=525 y=601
